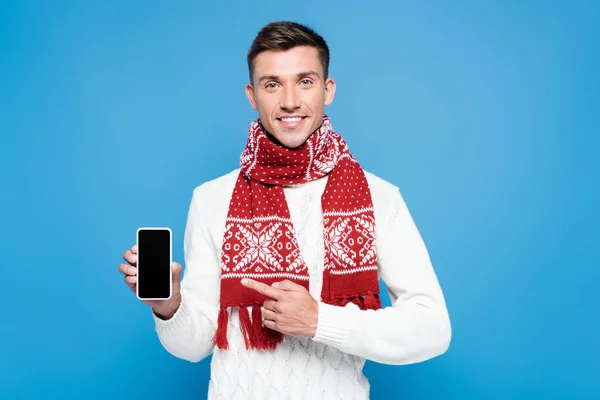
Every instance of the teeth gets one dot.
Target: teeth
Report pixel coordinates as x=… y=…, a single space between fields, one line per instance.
x=291 y=119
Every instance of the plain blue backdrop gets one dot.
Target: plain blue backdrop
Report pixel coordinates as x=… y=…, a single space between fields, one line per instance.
x=485 y=114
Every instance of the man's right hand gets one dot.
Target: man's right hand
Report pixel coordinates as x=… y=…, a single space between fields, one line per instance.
x=164 y=309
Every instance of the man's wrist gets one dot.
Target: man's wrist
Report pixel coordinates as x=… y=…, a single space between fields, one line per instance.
x=168 y=310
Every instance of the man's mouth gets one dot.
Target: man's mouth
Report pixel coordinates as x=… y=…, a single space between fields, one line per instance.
x=291 y=122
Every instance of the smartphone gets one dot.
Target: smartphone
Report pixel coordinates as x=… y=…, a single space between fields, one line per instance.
x=154 y=257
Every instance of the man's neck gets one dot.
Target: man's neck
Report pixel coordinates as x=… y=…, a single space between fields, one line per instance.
x=273 y=139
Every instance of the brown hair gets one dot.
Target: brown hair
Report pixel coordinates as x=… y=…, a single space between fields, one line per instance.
x=284 y=35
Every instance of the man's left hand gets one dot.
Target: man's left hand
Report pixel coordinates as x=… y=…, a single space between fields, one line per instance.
x=292 y=310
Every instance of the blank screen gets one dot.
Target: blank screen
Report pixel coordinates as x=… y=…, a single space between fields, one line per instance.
x=154 y=263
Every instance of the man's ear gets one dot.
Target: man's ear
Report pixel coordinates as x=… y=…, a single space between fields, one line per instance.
x=250 y=94
x=329 y=91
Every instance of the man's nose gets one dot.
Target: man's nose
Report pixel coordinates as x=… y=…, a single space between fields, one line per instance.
x=289 y=99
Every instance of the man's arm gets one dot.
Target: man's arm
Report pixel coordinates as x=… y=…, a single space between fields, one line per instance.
x=416 y=327
x=188 y=333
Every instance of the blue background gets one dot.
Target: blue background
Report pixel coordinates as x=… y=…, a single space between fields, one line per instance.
x=485 y=114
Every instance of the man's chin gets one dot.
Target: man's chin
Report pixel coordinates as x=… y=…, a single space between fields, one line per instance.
x=294 y=141
x=289 y=140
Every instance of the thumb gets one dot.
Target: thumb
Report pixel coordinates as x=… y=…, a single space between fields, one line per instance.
x=176 y=268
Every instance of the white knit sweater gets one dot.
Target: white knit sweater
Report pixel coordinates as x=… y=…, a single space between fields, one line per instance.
x=329 y=366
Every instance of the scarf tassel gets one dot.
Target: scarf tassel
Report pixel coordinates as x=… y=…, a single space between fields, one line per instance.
x=256 y=335
x=371 y=301
x=220 y=338
x=263 y=338
x=259 y=329
x=248 y=331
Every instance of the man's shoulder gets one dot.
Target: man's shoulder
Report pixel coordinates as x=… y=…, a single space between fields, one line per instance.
x=220 y=187
x=386 y=198
x=380 y=187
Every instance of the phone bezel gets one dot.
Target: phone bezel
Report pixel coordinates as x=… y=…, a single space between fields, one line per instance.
x=137 y=234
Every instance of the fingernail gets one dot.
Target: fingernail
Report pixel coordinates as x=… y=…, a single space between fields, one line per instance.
x=244 y=281
x=276 y=284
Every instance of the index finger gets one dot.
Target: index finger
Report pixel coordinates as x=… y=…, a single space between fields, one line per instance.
x=262 y=288
x=130 y=257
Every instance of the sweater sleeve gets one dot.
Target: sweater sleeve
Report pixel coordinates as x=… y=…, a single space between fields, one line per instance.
x=188 y=334
x=417 y=326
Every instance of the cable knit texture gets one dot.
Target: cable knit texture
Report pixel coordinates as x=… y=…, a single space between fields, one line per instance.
x=328 y=366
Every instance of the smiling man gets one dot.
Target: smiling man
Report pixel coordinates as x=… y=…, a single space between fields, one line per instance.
x=284 y=254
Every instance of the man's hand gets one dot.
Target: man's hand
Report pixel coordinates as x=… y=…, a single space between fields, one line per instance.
x=293 y=311
x=164 y=309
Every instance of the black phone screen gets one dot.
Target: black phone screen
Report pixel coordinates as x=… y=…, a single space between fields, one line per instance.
x=154 y=263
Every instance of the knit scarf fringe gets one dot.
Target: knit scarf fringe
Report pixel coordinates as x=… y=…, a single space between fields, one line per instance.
x=259 y=337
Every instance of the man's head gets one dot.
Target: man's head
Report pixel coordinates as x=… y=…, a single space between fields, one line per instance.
x=289 y=84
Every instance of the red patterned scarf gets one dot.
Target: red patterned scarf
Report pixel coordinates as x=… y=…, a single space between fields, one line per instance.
x=259 y=242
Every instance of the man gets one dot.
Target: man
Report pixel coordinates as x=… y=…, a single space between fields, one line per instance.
x=283 y=255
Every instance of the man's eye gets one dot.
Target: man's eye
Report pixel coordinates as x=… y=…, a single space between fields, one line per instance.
x=306 y=82
x=271 y=85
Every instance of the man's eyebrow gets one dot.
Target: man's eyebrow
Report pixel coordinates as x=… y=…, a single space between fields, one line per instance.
x=307 y=74
x=300 y=76
x=268 y=78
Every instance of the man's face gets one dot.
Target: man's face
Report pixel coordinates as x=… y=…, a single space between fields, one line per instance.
x=289 y=91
